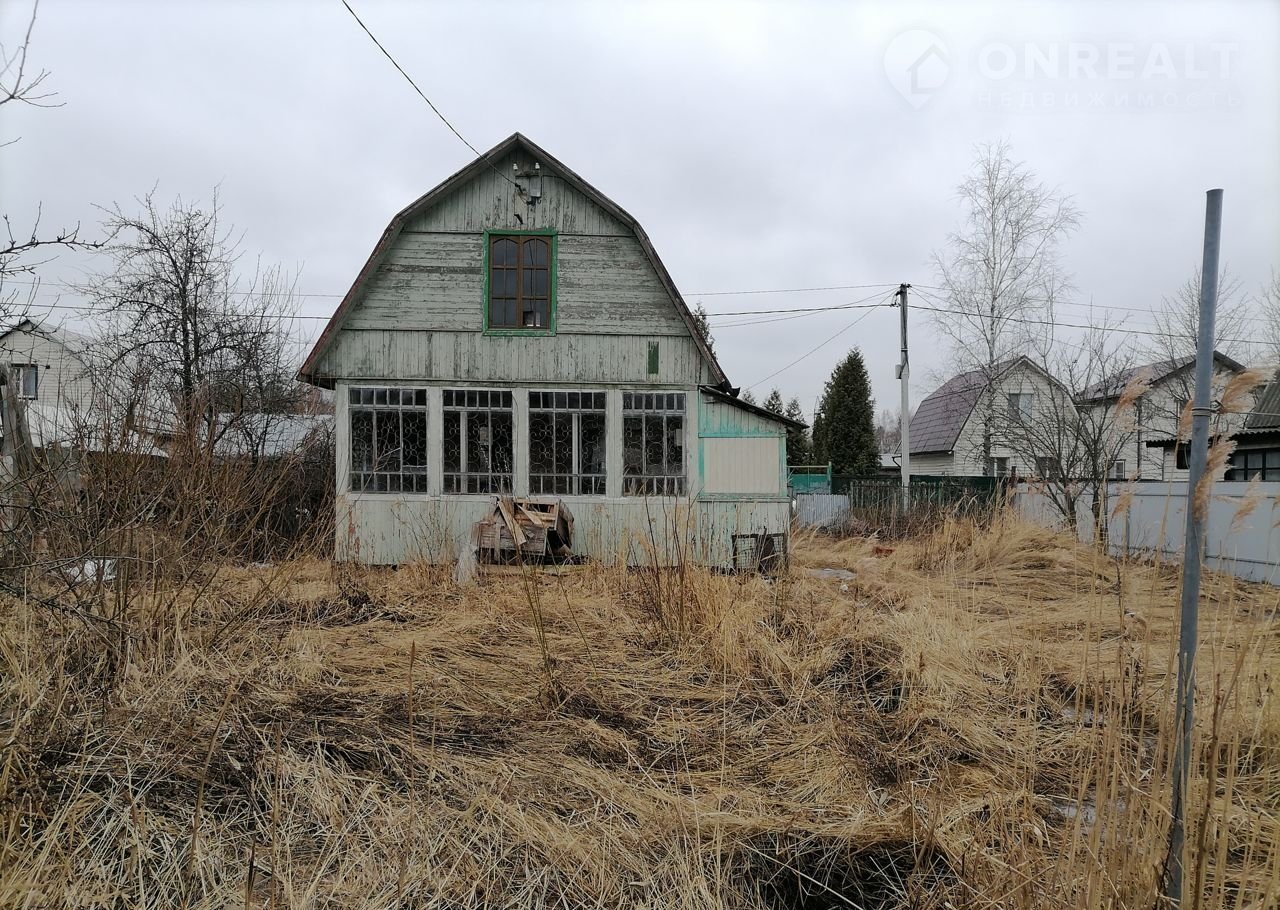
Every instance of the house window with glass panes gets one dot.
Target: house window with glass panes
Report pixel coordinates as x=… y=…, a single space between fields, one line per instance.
x=567 y=443
x=653 y=443
x=1021 y=405
x=1247 y=464
x=478 y=441
x=388 y=440
x=520 y=283
x=26 y=377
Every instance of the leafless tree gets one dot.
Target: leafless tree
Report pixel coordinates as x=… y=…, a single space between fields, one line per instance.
x=1081 y=426
x=1178 y=319
x=1173 y=344
x=187 y=336
x=999 y=274
x=1269 y=300
x=20 y=84
x=888 y=431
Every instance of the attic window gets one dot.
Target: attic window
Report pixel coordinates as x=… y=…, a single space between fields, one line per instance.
x=521 y=268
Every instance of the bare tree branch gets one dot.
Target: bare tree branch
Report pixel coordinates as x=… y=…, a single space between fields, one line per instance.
x=1000 y=268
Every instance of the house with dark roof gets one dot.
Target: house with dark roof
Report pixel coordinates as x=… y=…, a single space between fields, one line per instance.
x=947 y=429
x=1256 y=435
x=515 y=333
x=1170 y=384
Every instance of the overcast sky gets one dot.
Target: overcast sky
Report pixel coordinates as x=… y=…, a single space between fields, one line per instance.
x=763 y=146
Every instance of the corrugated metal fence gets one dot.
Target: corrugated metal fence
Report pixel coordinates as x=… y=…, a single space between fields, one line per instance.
x=1242 y=534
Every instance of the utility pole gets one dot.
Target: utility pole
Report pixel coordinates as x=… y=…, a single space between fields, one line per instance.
x=1193 y=549
x=904 y=422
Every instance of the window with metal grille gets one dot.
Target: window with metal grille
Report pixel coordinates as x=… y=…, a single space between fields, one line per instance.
x=653 y=443
x=520 y=282
x=388 y=440
x=566 y=443
x=477 y=441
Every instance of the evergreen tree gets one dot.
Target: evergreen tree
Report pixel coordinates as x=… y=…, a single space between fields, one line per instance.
x=747 y=396
x=774 y=402
x=799 y=448
x=702 y=322
x=844 y=432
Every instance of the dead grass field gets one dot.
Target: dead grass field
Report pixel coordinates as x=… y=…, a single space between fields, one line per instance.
x=980 y=718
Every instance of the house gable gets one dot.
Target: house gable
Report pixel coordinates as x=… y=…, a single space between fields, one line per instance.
x=417 y=309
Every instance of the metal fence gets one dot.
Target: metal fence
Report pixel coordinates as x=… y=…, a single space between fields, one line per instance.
x=877 y=501
x=1242 y=534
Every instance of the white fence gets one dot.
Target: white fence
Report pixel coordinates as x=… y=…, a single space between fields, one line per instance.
x=1242 y=533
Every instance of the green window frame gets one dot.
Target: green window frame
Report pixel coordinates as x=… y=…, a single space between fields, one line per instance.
x=520 y=280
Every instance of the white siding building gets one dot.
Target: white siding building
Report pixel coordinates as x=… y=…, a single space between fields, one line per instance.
x=1156 y=413
x=947 y=428
x=50 y=367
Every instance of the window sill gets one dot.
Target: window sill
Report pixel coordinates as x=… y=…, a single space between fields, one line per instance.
x=500 y=332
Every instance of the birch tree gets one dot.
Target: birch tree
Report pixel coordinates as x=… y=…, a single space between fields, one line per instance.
x=999 y=273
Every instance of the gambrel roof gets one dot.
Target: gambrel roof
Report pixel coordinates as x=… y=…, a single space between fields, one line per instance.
x=516 y=141
x=938 y=421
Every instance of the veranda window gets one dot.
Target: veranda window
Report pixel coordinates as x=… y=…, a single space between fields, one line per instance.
x=477 y=441
x=388 y=440
x=653 y=443
x=567 y=443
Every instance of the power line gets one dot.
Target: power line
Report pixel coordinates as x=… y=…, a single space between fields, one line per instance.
x=833 y=287
x=824 y=344
x=423 y=95
x=782 y=313
x=1064 y=325
x=800 y=311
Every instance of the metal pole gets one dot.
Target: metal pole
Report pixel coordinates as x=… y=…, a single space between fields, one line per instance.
x=1193 y=549
x=904 y=421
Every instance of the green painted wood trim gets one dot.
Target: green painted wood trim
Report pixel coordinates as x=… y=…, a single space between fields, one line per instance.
x=653 y=358
x=554 y=280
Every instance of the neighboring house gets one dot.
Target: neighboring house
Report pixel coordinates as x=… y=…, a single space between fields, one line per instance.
x=514 y=332
x=1156 y=411
x=50 y=367
x=947 y=427
x=1256 y=435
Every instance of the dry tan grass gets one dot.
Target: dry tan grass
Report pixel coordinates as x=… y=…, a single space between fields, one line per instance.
x=979 y=720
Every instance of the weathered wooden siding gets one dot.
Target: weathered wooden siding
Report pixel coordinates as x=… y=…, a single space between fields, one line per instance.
x=560 y=359
x=436 y=282
x=490 y=202
x=633 y=531
x=741 y=453
x=398 y=528
x=421 y=314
